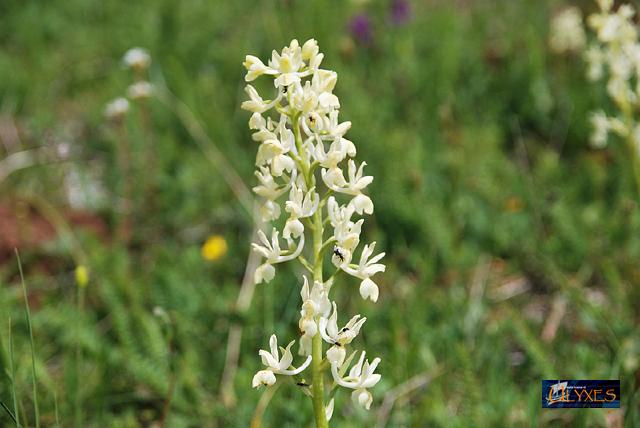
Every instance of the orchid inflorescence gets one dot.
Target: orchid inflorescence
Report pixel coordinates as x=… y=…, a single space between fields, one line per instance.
x=567 y=31
x=616 y=54
x=301 y=162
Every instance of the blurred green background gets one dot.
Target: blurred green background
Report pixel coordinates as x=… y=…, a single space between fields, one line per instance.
x=512 y=246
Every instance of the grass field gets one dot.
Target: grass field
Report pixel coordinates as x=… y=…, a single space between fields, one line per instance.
x=512 y=245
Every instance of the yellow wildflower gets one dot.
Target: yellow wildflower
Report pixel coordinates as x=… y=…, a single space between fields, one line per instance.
x=82 y=276
x=214 y=248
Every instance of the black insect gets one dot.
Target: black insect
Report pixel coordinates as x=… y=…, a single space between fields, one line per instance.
x=302 y=384
x=338 y=254
x=338 y=344
x=344 y=329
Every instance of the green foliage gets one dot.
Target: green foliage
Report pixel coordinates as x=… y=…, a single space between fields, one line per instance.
x=489 y=203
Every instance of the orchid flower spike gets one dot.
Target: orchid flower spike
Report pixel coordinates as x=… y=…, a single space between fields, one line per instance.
x=306 y=170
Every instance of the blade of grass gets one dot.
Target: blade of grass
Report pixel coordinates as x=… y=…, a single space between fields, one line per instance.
x=13 y=378
x=55 y=407
x=33 y=352
x=4 y=406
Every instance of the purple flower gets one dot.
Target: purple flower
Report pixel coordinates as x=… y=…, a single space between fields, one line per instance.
x=361 y=29
x=400 y=12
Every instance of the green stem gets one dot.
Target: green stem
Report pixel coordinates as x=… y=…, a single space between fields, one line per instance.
x=77 y=404
x=298 y=138
x=317 y=387
x=316 y=363
x=13 y=378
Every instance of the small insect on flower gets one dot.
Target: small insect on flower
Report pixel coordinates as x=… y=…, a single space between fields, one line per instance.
x=338 y=253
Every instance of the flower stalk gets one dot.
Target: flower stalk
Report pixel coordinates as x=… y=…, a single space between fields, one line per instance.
x=316 y=363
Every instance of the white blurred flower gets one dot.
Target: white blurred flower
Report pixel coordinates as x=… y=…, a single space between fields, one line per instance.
x=614 y=27
x=567 y=31
x=117 y=108
x=616 y=56
x=140 y=90
x=83 y=189
x=595 y=61
x=137 y=59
